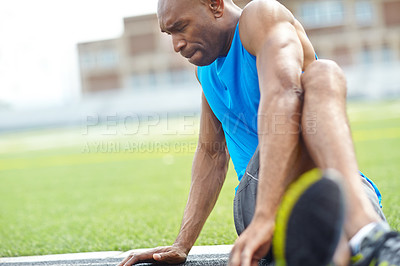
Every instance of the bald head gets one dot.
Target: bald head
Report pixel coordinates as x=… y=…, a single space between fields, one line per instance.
x=199 y=28
x=206 y=2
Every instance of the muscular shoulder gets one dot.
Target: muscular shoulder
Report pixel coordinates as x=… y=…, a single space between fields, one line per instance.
x=259 y=18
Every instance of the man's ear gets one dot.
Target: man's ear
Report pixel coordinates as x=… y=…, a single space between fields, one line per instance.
x=217 y=7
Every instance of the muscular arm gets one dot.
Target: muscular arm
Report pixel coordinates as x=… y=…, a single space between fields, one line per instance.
x=268 y=31
x=270 y=34
x=209 y=170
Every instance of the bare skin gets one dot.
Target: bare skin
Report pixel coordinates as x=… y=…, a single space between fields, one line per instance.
x=202 y=30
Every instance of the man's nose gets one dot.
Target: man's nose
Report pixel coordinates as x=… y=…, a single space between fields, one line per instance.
x=178 y=43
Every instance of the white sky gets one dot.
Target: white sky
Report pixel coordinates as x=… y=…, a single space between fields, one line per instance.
x=38 y=56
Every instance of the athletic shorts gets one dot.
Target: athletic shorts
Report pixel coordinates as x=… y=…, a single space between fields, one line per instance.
x=245 y=198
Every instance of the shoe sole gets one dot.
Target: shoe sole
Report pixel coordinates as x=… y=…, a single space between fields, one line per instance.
x=309 y=221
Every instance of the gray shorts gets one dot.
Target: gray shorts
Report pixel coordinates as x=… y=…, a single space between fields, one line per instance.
x=245 y=198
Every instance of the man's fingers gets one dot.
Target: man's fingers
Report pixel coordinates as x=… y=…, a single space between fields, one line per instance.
x=246 y=248
x=126 y=260
x=130 y=261
x=171 y=257
x=234 y=257
x=246 y=257
x=160 y=254
x=163 y=256
x=135 y=258
x=254 y=250
x=157 y=257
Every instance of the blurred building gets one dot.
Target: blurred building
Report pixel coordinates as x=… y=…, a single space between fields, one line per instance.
x=363 y=36
x=352 y=31
x=142 y=58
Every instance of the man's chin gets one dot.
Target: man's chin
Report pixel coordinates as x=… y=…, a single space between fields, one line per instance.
x=198 y=60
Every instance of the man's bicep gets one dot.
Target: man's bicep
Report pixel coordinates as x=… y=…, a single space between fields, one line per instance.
x=258 y=23
x=280 y=59
x=211 y=135
x=267 y=31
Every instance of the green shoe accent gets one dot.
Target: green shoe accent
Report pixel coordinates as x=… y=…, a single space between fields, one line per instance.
x=356 y=258
x=293 y=193
x=372 y=263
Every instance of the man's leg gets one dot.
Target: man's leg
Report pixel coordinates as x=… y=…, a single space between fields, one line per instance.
x=330 y=143
x=330 y=146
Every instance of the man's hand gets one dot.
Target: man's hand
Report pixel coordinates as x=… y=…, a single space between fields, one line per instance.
x=253 y=244
x=165 y=255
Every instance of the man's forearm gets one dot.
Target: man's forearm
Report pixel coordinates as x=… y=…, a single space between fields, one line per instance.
x=279 y=62
x=208 y=175
x=278 y=141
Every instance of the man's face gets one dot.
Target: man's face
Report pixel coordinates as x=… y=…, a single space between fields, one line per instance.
x=193 y=28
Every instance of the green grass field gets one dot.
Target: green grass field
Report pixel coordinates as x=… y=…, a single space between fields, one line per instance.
x=65 y=191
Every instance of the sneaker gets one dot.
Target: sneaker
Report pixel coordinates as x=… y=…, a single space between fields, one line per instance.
x=309 y=221
x=381 y=248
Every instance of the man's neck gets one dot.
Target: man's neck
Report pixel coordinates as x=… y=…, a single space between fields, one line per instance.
x=233 y=12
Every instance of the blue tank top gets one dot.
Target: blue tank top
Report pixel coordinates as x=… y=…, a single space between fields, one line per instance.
x=230 y=85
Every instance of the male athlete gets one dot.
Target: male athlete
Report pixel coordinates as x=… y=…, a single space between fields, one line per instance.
x=277 y=112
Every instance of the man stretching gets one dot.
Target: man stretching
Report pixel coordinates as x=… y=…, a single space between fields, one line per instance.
x=277 y=112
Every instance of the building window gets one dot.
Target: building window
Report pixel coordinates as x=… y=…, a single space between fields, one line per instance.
x=100 y=59
x=107 y=59
x=366 y=55
x=88 y=61
x=364 y=13
x=387 y=53
x=322 y=14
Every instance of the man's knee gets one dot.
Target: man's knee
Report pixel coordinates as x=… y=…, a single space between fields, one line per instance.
x=324 y=76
